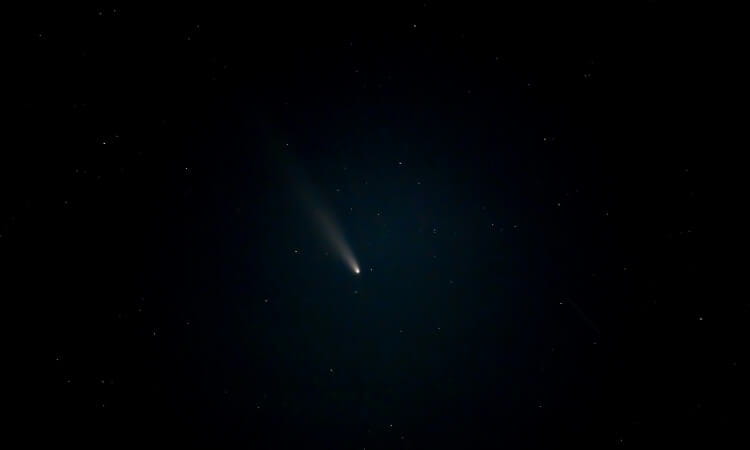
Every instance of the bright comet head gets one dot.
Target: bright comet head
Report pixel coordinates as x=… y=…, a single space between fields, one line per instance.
x=356 y=270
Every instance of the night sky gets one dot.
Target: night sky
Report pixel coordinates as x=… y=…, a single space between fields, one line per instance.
x=524 y=191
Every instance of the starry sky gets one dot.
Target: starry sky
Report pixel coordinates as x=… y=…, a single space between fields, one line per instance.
x=522 y=190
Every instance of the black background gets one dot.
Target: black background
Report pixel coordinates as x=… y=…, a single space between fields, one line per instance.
x=527 y=190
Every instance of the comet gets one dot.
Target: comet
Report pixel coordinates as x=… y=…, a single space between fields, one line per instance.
x=313 y=203
x=335 y=237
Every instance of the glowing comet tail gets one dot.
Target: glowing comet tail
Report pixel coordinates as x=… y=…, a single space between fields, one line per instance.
x=335 y=237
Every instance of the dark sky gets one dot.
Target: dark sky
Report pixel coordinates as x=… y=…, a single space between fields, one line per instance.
x=524 y=189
